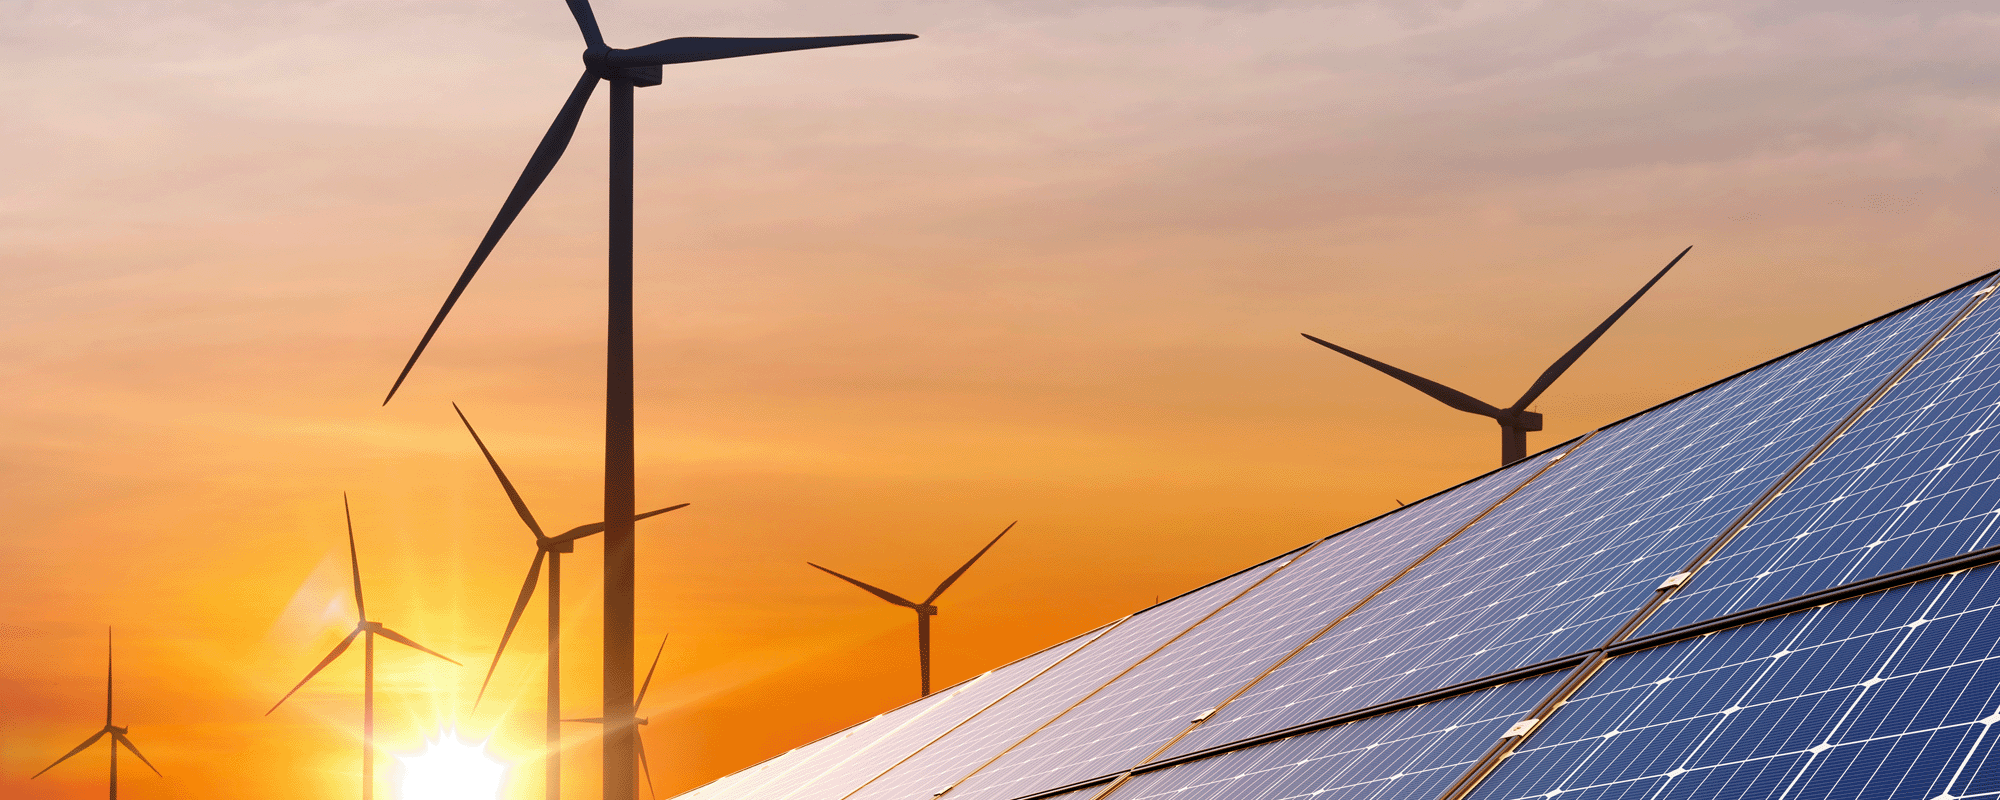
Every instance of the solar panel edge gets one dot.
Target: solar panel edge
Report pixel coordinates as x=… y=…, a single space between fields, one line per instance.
x=1550 y=705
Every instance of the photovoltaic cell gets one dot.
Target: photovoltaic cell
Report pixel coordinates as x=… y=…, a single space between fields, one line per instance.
x=1914 y=481
x=1413 y=753
x=838 y=772
x=1891 y=695
x=1132 y=717
x=1017 y=715
x=1564 y=563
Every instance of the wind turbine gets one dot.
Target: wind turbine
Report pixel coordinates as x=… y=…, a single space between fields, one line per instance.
x=117 y=734
x=550 y=548
x=370 y=630
x=639 y=743
x=624 y=70
x=925 y=610
x=1515 y=420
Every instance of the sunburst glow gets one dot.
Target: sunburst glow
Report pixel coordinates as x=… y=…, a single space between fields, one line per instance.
x=452 y=770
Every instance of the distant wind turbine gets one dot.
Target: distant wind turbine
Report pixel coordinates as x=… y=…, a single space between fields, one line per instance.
x=550 y=548
x=625 y=69
x=925 y=610
x=117 y=734
x=1515 y=420
x=638 y=742
x=372 y=630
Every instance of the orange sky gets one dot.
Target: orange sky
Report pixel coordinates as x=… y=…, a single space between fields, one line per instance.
x=1047 y=263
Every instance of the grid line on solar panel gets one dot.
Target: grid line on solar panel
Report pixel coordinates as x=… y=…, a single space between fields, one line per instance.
x=1893 y=694
x=828 y=779
x=1916 y=479
x=1410 y=753
x=1563 y=565
x=1133 y=717
x=990 y=733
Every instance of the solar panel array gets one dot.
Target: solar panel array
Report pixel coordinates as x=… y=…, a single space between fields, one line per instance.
x=1785 y=584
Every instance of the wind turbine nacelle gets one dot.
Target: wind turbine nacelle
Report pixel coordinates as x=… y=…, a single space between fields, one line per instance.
x=601 y=64
x=927 y=610
x=1523 y=421
x=117 y=730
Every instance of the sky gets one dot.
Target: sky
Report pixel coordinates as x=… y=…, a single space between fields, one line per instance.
x=1047 y=263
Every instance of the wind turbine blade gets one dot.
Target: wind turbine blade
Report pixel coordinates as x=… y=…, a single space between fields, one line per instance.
x=685 y=49
x=337 y=650
x=405 y=640
x=968 y=565
x=640 y=742
x=583 y=531
x=1556 y=370
x=1438 y=391
x=79 y=748
x=871 y=590
x=539 y=165
x=636 y=701
x=520 y=506
x=120 y=739
x=353 y=558
x=586 y=22
x=520 y=605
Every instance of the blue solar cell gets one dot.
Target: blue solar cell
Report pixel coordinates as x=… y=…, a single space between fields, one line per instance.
x=833 y=772
x=1891 y=695
x=1413 y=753
x=1132 y=717
x=1564 y=563
x=1016 y=716
x=1913 y=481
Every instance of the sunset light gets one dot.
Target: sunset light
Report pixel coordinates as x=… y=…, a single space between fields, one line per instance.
x=452 y=770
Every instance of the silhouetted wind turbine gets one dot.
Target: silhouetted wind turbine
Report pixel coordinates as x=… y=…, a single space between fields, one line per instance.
x=117 y=734
x=1515 y=420
x=371 y=630
x=624 y=69
x=550 y=548
x=924 y=609
x=639 y=743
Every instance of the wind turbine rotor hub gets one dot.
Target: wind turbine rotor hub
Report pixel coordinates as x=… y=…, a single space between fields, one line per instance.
x=117 y=730
x=553 y=545
x=927 y=610
x=365 y=625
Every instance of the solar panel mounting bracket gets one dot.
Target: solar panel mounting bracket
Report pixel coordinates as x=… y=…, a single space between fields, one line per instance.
x=1203 y=716
x=1674 y=580
x=1522 y=728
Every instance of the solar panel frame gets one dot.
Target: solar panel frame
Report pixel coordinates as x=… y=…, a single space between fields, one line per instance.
x=1518 y=558
x=1144 y=710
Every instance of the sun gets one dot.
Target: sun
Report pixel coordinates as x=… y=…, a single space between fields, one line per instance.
x=452 y=770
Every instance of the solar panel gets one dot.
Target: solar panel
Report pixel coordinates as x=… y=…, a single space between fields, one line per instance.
x=1913 y=481
x=988 y=734
x=1411 y=753
x=1125 y=722
x=1893 y=694
x=836 y=771
x=1559 y=567
x=1401 y=657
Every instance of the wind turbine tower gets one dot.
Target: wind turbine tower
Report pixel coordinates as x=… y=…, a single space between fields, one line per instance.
x=1515 y=420
x=625 y=70
x=368 y=630
x=925 y=610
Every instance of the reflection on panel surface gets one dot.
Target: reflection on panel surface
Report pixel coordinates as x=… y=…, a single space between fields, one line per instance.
x=1131 y=718
x=1914 y=481
x=834 y=775
x=1413 y=753
x=1006 y=722
x=1891 y=695
x=1559 y=567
